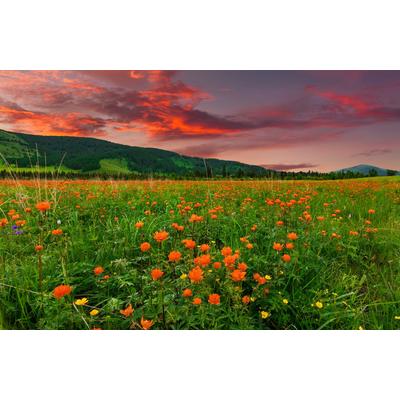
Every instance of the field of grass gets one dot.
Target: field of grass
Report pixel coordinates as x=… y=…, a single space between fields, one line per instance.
x=200 y=255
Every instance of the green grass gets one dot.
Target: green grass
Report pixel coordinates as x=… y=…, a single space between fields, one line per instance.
x=114 y=166
x=356 y=278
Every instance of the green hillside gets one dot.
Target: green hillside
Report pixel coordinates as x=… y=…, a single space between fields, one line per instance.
x=366 y=169
x=88 y=155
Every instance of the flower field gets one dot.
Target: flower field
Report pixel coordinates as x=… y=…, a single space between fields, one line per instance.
x=200 y=254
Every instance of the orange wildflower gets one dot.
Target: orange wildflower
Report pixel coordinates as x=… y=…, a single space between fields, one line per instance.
x=98 y=270
x=289 y=246
x=217 y=265
x=187 y=293
x=43 y=206
x=226 y=251
x=156 y=274
x=196 y=301
x=246 y=299
x=242 y=266
x=277 y=246
x=127 y=312
x=203 y=260
x=195 y=218
x=139 y=224
x=38 y=247
x=292 y=236
x=280 y=223
x=204 y=248
x=371 y=211
x=174 y=256
x=237 y=275
x=196 y=275
x=161 y=236
x=249 y=246
x=146 y=323
x=214 y=299
x=61 y=291
x=145 y=246
x=189 y=243
x=286 y=258
x=57 y=232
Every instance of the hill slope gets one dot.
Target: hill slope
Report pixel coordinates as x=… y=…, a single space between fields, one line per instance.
x=365 y=169
x=91 y=155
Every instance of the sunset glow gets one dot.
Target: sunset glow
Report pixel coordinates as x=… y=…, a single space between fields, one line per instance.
x=286 y=120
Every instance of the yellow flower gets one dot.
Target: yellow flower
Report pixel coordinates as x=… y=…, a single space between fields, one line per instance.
x=252 y=299
x=82 y=301
x=360 y=328
x=318 y=304
x=183 y=276
x=93 y=313
x=397 y=317
x=285 y=301
x=268 y=277
x=265 y=314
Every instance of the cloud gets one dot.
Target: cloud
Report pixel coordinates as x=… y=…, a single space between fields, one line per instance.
x=373 y=152
x=288 y=167
x=166 y=109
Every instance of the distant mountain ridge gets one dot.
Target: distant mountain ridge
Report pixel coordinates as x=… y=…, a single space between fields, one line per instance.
x=365 y=169
x=87 y=155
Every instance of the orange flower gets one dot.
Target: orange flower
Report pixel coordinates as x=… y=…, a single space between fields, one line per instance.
x=292 y=236
x=249 y=246
x=43 y=206
x=277 y=246
x=127 y=312
x=280 y=223
x=61 y=291
x=98 y=270
x=371 y=211
x=161 y=236
x=146 y=323
x=145 y=246
x=195 y=218
x=203 y=260
x=237 y=275
x=289 y=246
x=196 y=301
x=196 y=275
x=57 y=232
x=286 y=258
x=38 y=247
x=242 y=266
x=3 y=222
x=174 y=256
x=187 y=293
x=246 y=299
x=156 y=274
x=229 y=261
x=226 y=251
x=189 y=243
x=217 y=265
x=214 y=298
x=204 y=248
x=139 y=224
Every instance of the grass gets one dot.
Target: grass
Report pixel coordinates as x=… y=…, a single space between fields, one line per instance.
x=343 y=271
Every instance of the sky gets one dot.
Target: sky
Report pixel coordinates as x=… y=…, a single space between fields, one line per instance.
x=284 y=120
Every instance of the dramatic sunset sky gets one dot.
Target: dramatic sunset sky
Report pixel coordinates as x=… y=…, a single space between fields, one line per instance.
x=288 y=120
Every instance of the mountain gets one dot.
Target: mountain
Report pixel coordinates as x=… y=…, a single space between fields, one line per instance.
x=88 y=155
x=365 y=169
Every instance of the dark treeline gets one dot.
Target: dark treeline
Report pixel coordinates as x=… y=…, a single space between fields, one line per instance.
x=198 y=174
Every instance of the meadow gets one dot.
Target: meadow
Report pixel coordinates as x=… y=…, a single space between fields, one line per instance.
x=200 y=254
